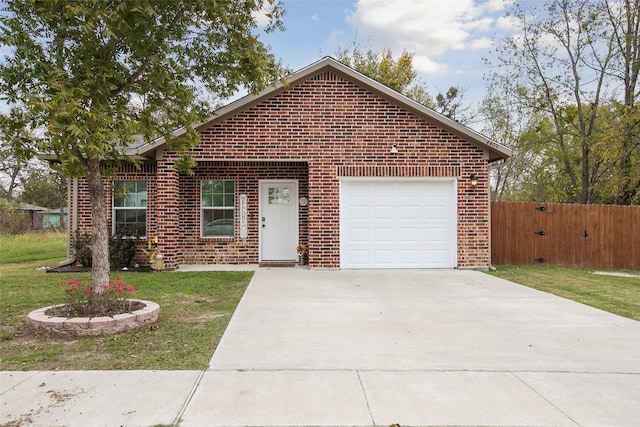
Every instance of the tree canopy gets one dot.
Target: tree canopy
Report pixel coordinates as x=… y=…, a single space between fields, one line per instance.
x=399 y=75
x=95 y=73
x=570 y=74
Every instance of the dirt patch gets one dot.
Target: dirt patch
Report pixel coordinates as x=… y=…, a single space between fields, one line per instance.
x=617 y=273
x=58 y=398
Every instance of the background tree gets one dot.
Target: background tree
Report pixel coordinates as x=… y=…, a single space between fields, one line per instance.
x=399 y=75
x=451 y=104
x=624 y=20
x=13 y=168
x=380 y=66
x=94 y=73
x=44 y=186
x=563 y=66
x=507 y=121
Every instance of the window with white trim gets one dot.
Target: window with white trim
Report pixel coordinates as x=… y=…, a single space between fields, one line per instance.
x=130 y=208
x=217 y=202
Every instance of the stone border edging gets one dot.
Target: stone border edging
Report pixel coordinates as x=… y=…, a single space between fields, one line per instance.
x=94 y=326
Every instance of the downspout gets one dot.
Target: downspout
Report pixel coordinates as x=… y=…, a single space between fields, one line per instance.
x=72 y=220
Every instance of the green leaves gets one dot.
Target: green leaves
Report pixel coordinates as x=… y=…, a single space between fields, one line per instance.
x=95 y=73
x=566 y=68
x=397 y=75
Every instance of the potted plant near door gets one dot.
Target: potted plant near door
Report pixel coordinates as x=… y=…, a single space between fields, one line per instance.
x=303 y=253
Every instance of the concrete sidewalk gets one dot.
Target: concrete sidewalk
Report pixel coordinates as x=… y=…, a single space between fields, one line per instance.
x=347 y=348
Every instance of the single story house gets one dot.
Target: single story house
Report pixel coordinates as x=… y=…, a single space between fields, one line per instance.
x=51 y=218
x=41 y=218
x=331 y=163
x=34 y=214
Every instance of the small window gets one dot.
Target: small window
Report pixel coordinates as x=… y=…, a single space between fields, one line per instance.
x=218 y=204
x=130 y=208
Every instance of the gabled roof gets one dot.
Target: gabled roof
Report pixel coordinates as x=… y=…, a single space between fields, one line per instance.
x=30 y=207
x=496 y=150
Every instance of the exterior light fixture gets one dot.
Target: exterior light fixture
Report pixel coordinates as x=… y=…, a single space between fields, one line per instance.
x=394 y=149
x=474 y=180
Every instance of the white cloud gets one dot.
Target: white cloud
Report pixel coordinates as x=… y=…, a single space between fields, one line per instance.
x=334 y=39
x=428 y=28
x=425 y=65
x=315 y=17
x=497 y=5
x=261 y=16
x=481 y=43
x=507 y=23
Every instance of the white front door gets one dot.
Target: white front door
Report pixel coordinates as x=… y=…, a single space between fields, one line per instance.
x=278 y=220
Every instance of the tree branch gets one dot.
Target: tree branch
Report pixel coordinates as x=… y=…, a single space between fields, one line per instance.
x=143 y=66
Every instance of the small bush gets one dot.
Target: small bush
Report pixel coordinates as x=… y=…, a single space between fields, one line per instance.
x=122 y=249
x=82 y=248
x=81 y=301
x=12 y=221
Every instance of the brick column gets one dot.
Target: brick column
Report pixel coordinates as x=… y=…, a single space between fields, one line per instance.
x=473 y=217
x=324 y=216
x=167 y=213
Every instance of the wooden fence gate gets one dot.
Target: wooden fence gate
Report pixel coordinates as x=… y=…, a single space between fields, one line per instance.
x=598 y=236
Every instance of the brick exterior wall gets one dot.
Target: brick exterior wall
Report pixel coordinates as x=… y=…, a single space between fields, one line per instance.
x=246 y=176
x=314 y=132
x=146 y=172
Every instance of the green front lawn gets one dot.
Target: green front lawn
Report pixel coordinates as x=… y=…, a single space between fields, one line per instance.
x=195 y=309
x=32 y=247
x=619 y=295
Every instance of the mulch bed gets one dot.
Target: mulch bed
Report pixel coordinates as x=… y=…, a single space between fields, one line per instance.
x=81 y=269
x=66 y=311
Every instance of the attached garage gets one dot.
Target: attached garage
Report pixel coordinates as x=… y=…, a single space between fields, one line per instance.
x=398 y=223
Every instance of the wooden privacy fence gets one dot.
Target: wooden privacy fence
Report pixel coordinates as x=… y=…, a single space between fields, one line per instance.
x=598 y=236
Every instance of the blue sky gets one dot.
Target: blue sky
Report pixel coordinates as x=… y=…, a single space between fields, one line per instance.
x=448 y=38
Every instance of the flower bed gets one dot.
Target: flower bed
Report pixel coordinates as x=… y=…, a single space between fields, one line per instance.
x=146 y=312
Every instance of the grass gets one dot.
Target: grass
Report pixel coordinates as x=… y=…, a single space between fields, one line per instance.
x=195 y=309
x=619 y=295
x=32 y=247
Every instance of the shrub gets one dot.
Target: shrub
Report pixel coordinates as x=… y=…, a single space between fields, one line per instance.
x=82 y=248
x=80 y=301
x=122 y=249
x=12 y=221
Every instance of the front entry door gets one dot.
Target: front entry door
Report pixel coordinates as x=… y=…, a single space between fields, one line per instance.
x=278 y=220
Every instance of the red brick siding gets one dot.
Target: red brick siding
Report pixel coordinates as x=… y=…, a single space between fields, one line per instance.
x=145 y=172
x=167 y=216
x=246 y=176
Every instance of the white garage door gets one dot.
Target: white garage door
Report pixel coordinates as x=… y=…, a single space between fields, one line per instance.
x=398 y=223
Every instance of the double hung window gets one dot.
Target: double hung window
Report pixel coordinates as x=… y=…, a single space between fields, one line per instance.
x=217 y=208
x=130 y=208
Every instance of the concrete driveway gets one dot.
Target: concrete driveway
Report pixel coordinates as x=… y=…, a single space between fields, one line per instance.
x=416 y=348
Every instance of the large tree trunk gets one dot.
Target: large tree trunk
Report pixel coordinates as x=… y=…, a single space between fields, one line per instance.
x=99 y=230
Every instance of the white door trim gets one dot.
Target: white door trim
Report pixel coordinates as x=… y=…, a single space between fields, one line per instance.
x=294 y=224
